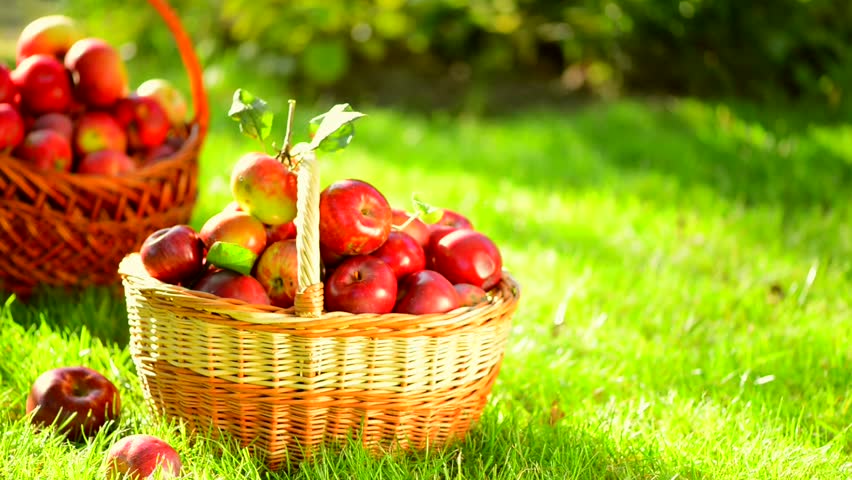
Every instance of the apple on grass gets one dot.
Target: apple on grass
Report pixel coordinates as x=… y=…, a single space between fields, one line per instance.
x=426 y=292
x=96 y=131
x=140 y=457
x=234 y=227
x=50 y=35
x=402 y=253
x=77 y=400
x=230 y=284
x=43 y=84
x=106 y=162
x=46 y=150
x=265 y=188
x=361 y=284
x=467 y=256
x=11 y=127
x=355 y=218
x=278 y=271
x=173 y=255
x=99 y=73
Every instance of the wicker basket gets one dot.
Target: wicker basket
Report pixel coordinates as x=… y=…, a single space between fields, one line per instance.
x=65 y=229
x=284 y=381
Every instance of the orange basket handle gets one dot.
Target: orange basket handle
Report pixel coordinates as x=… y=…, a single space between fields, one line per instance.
x=190 y=62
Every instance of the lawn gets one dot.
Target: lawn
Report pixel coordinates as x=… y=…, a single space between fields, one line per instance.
x=686 y=272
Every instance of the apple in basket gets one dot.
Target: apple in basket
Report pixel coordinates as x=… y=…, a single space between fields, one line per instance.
x=467 y=256
x=355 y=218
x=402 y=253
x=77 y=400
x=425 y=292
x=96 y=131
x=106 y=162
x=234 y=227
x=11 y=127
x=470 y=295
x=410 y=224
x=361 y=284
x=141 y=456
x=58 y=122
x=265 y=188
x=50 y=35
x=46 y=150
x=144 y=120
x=277 y=271
x=8 y=91
x=99 y=73
x=173 y=254
x=169 y=97
x=43 y=84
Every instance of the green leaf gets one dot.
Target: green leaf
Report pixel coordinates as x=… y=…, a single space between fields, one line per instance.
x=333 y=130
x=252 y=113
x=428 y=213
x=232 y=257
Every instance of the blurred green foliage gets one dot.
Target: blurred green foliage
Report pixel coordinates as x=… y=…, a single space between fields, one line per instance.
x=764 y=49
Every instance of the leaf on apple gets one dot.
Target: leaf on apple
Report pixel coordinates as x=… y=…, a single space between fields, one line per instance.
x=333 y=130
x=231 y=256
x=427 y=212
x=252 y=113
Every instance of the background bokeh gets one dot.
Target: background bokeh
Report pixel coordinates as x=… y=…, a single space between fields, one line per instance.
x=486 y=55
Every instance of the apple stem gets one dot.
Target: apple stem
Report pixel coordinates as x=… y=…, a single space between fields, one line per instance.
x=406 y=223
x=288 y=135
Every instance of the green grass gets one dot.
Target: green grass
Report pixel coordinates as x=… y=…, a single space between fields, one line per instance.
x=685 y=313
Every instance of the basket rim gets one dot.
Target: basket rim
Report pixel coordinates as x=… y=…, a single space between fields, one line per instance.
x=504 y=296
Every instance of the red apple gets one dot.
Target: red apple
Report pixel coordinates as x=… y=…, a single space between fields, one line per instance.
x=230 y=284
x=96 y=131
x=106 y=162
x=234 y=227
x=46 y=150
x=264 y=187
x=278 y=271
x=436 y=233
x=169 y=97
x=276 y=233
x=402 y=253
x=141 y=457
x=80 y=394
x=468 y=256
x=330 y=259
x=470 y=295
x=43 y=84
x=361 y=284
x=8 y=91
x=454 y=219
x=50 y=35
x=425 y=292
x=100 y=76
x=416 y=228
x=144 y=120
x=174 y=254
x=355 y=218
x=158 y=154
x=58 y=122
x=11 y=127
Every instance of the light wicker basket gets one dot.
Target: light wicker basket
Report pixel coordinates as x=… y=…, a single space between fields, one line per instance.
x=72 y=230
x=285 y=381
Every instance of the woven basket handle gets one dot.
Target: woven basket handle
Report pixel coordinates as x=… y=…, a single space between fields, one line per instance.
x=309 y=295
x=190 y=62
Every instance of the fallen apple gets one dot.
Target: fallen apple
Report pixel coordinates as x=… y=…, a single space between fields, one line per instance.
x=79 y=401
x=141 y=457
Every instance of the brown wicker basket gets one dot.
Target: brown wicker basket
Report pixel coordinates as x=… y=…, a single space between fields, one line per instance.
x=65 y=229
x=285 y=381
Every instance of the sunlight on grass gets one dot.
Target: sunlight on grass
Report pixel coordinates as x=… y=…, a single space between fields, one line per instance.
x=685 y=306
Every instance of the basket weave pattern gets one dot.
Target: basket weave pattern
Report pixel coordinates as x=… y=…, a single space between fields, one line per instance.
x=66 y=229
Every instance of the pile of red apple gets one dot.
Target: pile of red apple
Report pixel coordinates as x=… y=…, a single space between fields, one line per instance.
x=67 y=105
x=375 y=258
x=78 y=402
